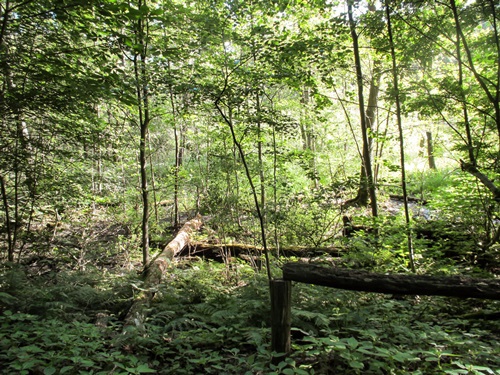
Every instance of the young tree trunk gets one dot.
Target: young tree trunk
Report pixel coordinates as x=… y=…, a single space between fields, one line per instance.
x=371 y=109
x=430 y=151
x=8 y=227
x=248 y=174
x=308 y=137
x=144 y=191
x=260 y=154
x=395 y=79
x=177 y=161
x=380 y=148
x=366 y=181
x=468 y=132
x=155 y=200
x=493 y=97
x=142 y=93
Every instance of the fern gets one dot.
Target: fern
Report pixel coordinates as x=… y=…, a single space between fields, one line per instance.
x=255 y=336
x=184 y=323
x=310 y=320
x=206 y=309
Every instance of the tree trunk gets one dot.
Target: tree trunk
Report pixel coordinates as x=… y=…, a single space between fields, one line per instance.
x=371 y=116
x=395 y=78
x=308 y=136
x=451 y=286
x=213 y=251
x=462 y=98
x=367 y=182
x=485 y=180
x=8 y=227
x=142 y=92
x=430 y=150
x=177 y=162
x=493 y=97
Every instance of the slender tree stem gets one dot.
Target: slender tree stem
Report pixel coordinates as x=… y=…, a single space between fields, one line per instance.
x=250 y=181
x=364 y=129
x=401 y=139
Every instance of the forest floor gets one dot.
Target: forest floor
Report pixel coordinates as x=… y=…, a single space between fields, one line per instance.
x=63 y=305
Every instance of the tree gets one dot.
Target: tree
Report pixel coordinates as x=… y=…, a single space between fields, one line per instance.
x=367 y=182
x=397 y=99
x=141 y=42
x=51 y=73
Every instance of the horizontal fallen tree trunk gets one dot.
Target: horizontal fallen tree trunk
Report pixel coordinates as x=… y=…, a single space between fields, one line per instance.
x=213 y=251
x=451 y=286
x=154 y=272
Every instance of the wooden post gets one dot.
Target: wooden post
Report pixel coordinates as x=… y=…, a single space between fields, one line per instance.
x=281 y=317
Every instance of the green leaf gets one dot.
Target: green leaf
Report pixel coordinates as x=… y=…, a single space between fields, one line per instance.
x=352 y=342
x=357 y=364
x=66 y=369
x=403 y=357
x=144 y=368
x=33 y=349
x=49 y=370
x=299 y=371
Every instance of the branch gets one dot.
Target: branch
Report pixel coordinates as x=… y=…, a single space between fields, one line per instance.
x=489 y=184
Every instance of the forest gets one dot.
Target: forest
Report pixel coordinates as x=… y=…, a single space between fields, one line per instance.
x=163 y=162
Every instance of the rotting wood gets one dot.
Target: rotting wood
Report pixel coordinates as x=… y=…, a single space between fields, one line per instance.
x=281 y=317
x=212 y=251
x=450 y=286
x=153 y=273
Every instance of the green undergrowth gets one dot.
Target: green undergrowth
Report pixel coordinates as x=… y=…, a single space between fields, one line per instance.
x=211 y=318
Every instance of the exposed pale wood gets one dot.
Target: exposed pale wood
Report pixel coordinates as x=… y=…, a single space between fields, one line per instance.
x=154 y=272
x=451 y=286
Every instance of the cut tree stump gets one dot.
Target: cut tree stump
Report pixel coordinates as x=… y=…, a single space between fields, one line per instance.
x=450 y=286
x=154 y=272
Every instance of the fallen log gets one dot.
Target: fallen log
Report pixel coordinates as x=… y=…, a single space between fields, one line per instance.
x=214 y=251
x=450 y=286
x=154 y=272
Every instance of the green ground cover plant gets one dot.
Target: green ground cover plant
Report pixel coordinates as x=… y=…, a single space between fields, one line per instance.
x=203 y=321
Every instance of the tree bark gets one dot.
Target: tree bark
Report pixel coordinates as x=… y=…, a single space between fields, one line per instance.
x=368 y=180
x=281 y=318
x=430 y=151
x=451 y=286
x=462 y=97
x=489 y=184
x=395 y=78
x=153 y=273
x=142 y=93
x=10 y=243
x=212 y=251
